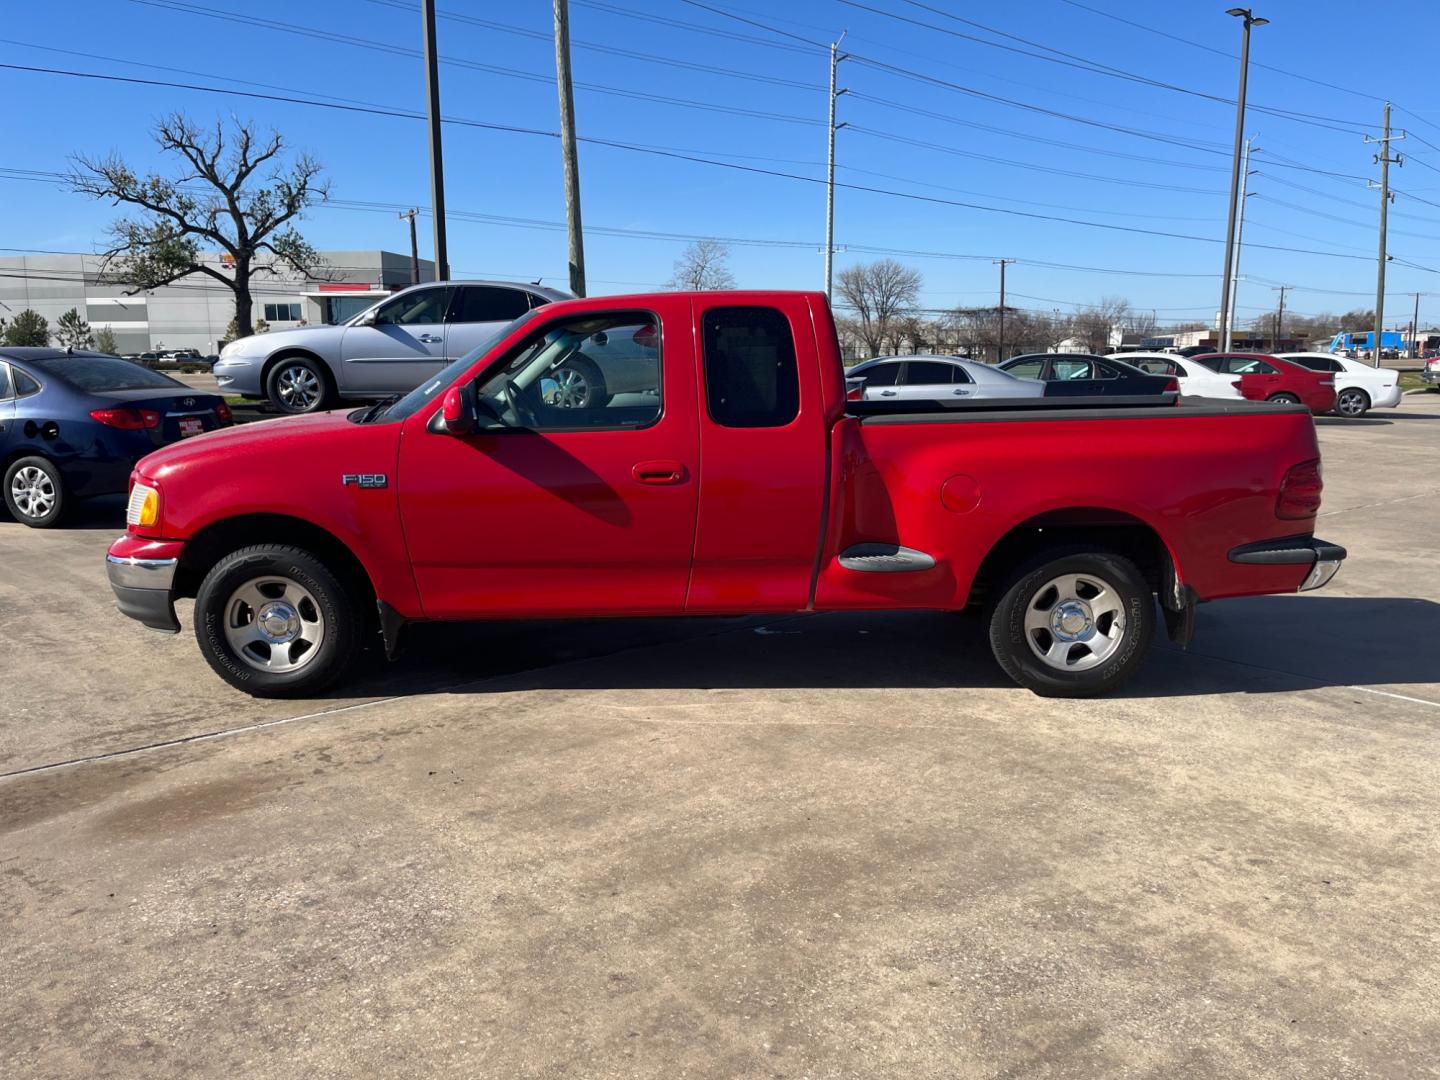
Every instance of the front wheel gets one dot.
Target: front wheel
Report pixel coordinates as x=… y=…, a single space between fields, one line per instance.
x=275 y=621
x=1283 y=399
x=576 y=384
x=35 y=492
x=1073 y=625
x=299 y=385
x=1352 y=403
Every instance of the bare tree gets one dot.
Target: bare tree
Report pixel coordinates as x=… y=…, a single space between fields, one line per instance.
x=1097 y=324
x=702 y=267
x=218 y=199
x=881 y=294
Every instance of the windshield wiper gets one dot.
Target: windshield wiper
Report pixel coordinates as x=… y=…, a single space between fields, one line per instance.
x=374 y=411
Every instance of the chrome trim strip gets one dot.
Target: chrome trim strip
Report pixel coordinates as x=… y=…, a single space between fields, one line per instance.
x=137 y=573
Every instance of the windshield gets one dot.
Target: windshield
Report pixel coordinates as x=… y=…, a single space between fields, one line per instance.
x=100 y=374
x=412 y=402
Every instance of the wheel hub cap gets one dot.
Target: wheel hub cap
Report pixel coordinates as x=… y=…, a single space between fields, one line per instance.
x=1072 y=621
x=278 y=622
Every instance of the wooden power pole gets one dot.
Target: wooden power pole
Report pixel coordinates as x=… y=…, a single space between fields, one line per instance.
x=567 y=146
x=1384 y=160
x=437 y=157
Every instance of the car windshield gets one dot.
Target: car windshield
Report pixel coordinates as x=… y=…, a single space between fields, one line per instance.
x=412 y=402
x=101 y=374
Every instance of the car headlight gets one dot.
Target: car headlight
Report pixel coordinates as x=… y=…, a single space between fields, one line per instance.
x=143 y=510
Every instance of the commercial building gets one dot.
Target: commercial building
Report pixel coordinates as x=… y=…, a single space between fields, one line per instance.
x=194 y=312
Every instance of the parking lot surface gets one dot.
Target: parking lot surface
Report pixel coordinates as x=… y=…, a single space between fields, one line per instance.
x=838 y=846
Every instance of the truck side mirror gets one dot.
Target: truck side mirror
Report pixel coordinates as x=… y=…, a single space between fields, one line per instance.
x=457 y=413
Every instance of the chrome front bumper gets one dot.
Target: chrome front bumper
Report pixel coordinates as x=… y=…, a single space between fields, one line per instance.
x=142 y=590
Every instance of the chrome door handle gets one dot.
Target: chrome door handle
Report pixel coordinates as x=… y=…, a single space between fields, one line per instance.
x=959 y=391
x=887 y=393
x=431 y=339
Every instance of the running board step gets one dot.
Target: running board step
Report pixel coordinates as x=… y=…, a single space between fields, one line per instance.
x=885 y=559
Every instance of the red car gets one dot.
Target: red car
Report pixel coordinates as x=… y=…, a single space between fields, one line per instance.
x=1262 y=377
x=731 y=477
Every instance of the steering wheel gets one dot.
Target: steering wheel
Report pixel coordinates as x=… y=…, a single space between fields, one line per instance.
x=515 y=400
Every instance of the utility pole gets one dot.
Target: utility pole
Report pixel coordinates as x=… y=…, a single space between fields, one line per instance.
x=1250 y=20
x=414 y=247
x=437 y=160
x=1239 y=247
x=1000 y=346
x=1384 y=160
x=835 y=57
x=1280 y=315
x=1415 y=330
x=567 y=146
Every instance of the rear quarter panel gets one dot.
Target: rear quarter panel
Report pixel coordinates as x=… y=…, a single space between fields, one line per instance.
x=1204 y=483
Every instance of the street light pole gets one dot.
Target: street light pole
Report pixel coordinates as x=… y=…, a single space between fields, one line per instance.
x=835 y=58
x=1239 y=249
x=437 y=160
x=414 y=247
x=1250 y=20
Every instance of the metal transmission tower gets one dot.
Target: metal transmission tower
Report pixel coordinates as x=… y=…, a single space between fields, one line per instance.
x=835 y=58
x=567 y=146
x=1000 y=345
x=1250 y=20
x=437 y=157
x=1384 y=160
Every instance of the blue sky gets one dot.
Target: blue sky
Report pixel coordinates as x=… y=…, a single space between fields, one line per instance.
x=985 y=123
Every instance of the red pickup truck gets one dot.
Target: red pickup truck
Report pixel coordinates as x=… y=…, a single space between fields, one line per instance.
x=694 y=453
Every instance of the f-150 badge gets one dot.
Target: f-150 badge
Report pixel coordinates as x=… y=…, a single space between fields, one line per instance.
x=365 y=480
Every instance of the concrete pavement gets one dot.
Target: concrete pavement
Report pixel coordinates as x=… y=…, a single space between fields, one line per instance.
x=830 y=847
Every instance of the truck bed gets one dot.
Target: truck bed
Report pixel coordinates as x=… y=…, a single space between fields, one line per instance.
x=1149 y=406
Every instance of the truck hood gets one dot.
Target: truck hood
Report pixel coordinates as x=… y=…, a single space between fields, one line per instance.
x=235 y=449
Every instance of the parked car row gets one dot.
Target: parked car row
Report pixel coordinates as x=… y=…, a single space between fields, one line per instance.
x=1322 y=382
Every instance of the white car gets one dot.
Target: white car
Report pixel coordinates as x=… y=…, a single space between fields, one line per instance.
x=1196 y=380
x=934 y=378
x=1358 y=386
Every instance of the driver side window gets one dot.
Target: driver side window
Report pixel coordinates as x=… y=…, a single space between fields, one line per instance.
x=421 y=307
x=593 y=372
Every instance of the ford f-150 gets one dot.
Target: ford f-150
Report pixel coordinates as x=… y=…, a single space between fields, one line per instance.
x=725 y=474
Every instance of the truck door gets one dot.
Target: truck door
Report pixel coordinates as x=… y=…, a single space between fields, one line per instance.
x=562 y=506
x=762 y=442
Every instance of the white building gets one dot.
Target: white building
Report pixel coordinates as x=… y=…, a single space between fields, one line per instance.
x=193 y=313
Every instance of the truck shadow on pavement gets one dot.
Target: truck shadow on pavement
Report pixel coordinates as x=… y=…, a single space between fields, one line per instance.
x=1260 y=645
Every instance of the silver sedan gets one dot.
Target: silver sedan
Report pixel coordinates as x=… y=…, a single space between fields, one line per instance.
x=935 y=378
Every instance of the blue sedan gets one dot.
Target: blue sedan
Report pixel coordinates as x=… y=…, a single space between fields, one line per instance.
x=73 y=425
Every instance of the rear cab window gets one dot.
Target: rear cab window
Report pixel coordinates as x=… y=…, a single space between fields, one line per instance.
x=752 y=379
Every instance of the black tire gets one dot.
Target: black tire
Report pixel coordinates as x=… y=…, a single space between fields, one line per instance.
x=35 y=492
x=218 y=607
x=298 y=385
x=596 y=393
x=1285 y=398
x=1025 y=592
x=1352 y=402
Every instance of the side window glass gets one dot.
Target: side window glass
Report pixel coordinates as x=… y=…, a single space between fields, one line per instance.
x=24 y=384
x=751 y=375
x=881 y=375
x=927 y=373
x=416 y=308
x=1030 y=369
x=959 y=374
x=4 y=381
x=1105 y=371
x=598 y=371
x=1071 y=369
x=483 y=303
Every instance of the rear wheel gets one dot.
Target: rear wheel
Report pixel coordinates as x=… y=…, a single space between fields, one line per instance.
x=275 y=621
x=1073 y=625
x=35 y=492
x=1284 y=399
x=576 y=384
x=1352 y=402
x=298 y=384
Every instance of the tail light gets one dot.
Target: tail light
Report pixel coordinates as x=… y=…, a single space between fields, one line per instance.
x=1328 y=382
x=855 y=393
x=1172 y=386
x=1238 y=384
x=1300 y=491
x=223 y=414
x=126 y=419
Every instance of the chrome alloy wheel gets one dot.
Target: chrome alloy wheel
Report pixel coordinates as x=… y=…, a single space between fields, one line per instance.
x=572 y=389
x=274 y=625
x=1074 y=621
x=1351 y=403
x=33 y=491
x=298 y=387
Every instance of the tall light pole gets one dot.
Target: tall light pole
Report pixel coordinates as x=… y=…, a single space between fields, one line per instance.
x=567 y=146
x=414 y=246
x=835 y=57
x=437 y=158
x=1415 y=330
x=1250 y=20
x=1229 y=339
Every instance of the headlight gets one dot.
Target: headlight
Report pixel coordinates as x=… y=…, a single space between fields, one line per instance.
x=143 y=510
